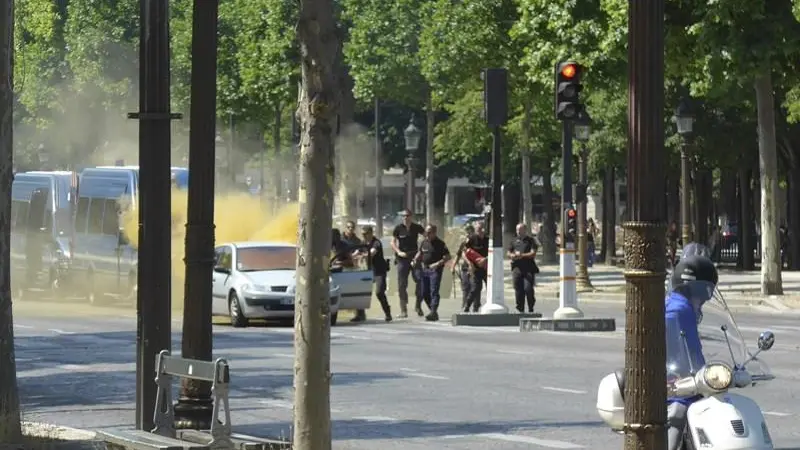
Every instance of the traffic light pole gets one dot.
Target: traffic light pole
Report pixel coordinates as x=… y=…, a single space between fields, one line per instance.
x=568 y=290
x=494 y=296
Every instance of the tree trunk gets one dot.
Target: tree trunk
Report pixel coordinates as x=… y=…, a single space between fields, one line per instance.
x=610 y=222
x=527 y=200
x=771 y=283
x=511 y=212
x=194 y=407
x=674 y=197
x=430 y=124
x=745 y=233
x=548 y=235
x=793 y=223
x=318 y=105
x=10 y=427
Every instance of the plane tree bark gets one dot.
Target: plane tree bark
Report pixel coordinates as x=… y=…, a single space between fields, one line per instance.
x=318 y=108
x=10 y=426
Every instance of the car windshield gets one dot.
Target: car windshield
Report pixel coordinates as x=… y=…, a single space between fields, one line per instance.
x=256 y=259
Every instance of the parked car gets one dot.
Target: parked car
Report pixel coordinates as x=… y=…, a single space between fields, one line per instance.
x=256 y=280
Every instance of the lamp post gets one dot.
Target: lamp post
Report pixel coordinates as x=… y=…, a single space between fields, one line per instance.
x=684 y=120
x=412 y=136
x=583 y=129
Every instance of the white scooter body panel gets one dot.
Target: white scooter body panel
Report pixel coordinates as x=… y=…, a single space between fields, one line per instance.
x=728 y=421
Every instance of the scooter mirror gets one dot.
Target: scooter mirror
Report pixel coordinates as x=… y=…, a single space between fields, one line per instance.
x=766 y=340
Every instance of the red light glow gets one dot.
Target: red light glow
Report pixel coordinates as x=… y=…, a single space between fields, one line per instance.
x=569 y=71
x=571 y=213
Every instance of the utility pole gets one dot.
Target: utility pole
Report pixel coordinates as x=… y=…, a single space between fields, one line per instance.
x=568 y=110
x=684 y=120
x=583 y=133
x=11 y=429
x=378 y=169
x=495 y=111
x=194 y=407
x=153 y=302
x=645 y=265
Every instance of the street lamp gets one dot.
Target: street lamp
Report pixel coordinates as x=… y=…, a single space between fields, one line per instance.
x=412 y=136
x=684 y=120
x=583 y=130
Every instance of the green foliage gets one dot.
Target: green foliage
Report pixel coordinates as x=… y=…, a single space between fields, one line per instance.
x=382 y=49
x=103 y=51
x=461 y=38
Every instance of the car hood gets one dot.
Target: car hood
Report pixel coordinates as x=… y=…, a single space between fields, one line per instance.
x=272 y=278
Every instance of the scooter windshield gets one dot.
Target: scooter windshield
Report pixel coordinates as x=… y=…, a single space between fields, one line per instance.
x=721 y=338
x=684 y=359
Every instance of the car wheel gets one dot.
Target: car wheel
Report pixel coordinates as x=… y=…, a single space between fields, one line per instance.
x=334 y=318
x=238 y=320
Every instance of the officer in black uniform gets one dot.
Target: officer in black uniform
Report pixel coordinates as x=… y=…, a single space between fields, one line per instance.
x=522 y=252
x=462 y=271
x=478 y=242
x=432 y=256
x=380 y=267
x=404 y=243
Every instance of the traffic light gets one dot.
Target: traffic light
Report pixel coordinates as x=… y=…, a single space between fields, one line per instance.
x=567 y=88
x=495 y=96
x=571 y=221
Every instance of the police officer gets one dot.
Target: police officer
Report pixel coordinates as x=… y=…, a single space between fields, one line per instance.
x=432 y=256
x=522 y=252
x=349 y=235
x=479 y=242
x=380 y=268
x=462 y=271
x=404 y=243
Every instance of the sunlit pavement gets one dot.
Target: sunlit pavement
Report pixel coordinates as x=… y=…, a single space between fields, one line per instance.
x=407 y=384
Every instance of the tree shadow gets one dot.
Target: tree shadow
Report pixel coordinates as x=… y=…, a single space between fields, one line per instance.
x=362 y=429
x=98 y=369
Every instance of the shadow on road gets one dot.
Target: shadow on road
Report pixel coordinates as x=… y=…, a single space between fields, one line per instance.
x=97 y=371
x=361 y=429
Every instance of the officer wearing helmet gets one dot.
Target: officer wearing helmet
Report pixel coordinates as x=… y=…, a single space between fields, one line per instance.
x=684 y=304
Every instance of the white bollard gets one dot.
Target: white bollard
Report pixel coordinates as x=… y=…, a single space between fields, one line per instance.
x=568 y=288
x=495 y=283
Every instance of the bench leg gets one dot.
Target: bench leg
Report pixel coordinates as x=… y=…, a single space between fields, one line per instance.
x=164 y=415
x=220 y=431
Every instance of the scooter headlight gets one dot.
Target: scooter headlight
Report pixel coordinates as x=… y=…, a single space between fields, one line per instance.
x=717 y=376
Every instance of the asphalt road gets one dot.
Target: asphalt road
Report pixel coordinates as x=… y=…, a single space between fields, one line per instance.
x=405 y=385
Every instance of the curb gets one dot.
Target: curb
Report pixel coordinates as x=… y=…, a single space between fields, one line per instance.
x=61 y=437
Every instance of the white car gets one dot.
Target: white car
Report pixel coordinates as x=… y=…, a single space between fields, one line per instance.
x=256 y=280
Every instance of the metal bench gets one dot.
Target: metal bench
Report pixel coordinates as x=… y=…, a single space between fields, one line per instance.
x=165 y=437
x=217 y=373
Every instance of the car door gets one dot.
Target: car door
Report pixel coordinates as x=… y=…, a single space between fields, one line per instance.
x=220 y=284
x=356 y=287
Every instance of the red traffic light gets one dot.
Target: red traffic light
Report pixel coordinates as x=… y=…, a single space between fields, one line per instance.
x=571 y=213
x=569 y=71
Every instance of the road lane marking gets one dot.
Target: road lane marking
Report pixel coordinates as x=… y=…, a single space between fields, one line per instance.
x=282 y=404
x=776 y=414
x=285 y=404
x=518 y=439
x=360 y=338
x=564 y=390
x=418 y=374
x=284 y=355
x=17 y=325
x=376 y=419
x=56 y=330
x=514 y=352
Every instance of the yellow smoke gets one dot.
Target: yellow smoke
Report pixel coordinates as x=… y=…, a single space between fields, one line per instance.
x=237 y=217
